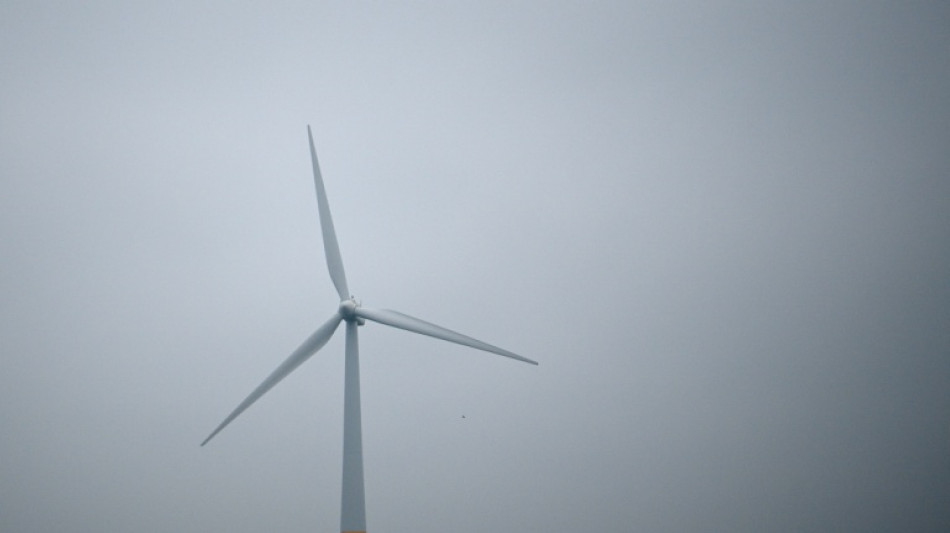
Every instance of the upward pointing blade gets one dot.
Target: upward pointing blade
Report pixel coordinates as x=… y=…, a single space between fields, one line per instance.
x=330 y=245
x=308 y=348
x=408 y=323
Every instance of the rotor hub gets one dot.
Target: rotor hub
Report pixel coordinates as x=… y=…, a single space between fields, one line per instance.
x=348 y=310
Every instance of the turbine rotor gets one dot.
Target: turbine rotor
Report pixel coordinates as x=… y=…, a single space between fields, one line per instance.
x=348 y=309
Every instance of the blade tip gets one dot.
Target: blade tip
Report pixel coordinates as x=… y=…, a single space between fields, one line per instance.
x=211 y=436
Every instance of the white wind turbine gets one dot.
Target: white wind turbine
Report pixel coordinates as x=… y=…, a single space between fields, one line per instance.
x=353 y=512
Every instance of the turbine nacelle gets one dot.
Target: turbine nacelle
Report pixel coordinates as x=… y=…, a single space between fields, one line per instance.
x=348 y=308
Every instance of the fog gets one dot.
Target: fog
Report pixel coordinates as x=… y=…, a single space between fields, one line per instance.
x=722 y=230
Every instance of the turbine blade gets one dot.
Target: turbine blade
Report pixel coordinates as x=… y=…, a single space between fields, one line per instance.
x=408 y=323
x=308 y=348
x=330 y=245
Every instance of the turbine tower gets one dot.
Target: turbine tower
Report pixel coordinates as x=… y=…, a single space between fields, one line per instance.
x=353 y=511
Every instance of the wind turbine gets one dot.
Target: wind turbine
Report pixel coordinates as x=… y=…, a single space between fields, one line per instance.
x=353 y=511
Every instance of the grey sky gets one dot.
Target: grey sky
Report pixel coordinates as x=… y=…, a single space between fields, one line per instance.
x=722 y=230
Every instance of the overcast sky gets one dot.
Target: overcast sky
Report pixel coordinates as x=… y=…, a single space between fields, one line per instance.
x=723 y=230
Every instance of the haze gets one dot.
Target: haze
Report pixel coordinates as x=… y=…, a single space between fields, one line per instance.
x=721 y=229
